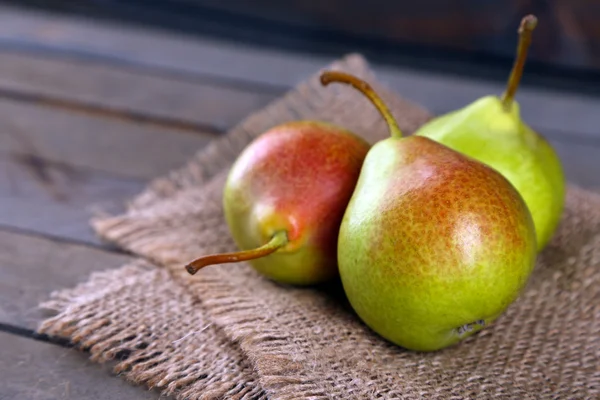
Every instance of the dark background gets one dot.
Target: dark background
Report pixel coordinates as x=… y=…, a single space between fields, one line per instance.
x=474 y=37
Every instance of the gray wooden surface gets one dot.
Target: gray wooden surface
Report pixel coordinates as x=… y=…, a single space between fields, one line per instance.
x=41 y=371
x=90 y=112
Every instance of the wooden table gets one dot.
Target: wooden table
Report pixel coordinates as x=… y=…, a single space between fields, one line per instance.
x=89 y=113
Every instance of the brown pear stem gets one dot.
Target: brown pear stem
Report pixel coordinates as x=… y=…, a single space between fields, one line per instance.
x=528 y=24
x=328 y=77
x=278 y=240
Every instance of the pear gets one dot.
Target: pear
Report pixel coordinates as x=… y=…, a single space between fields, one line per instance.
x=434 y=245
x=491 y=130
x=284 y=200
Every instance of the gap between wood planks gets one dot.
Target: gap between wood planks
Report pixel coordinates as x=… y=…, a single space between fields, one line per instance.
x=24 y=48
x=126 y=93
x=32 y=267
x=117 y=147
x=32 y=334
x=99 y=110
x=42 y=370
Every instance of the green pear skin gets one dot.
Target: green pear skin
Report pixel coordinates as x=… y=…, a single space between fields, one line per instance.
x=433 y=246
x=487 y=132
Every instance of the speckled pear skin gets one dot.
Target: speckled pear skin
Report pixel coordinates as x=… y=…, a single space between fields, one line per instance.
x=433 y=245
x=499 y=138
x=296 y=177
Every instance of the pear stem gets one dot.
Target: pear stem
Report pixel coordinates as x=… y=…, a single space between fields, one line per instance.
x=528 y=24
x=278 y=240
x=328 y=77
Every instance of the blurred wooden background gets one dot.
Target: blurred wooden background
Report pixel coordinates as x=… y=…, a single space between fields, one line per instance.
x=568 y=34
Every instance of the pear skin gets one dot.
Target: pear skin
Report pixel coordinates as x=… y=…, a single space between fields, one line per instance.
x=284 y=200
x=491 y=130
x=434 y=245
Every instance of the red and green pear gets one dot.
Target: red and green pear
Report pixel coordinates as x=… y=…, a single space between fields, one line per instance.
x=284 y=200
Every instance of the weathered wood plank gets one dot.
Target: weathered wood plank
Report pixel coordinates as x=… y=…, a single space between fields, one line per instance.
x=32 y=267
x=57 y=166
x=42 y=371
x=58 y=200
x=203 y=102
x=132 y=45
x=543 y=109
x=127 y=149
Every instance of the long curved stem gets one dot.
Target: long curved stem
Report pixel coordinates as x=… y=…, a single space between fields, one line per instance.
x=528 y=24
x=278 y=240
x=328 y=77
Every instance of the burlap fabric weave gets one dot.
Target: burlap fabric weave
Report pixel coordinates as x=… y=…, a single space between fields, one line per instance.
x=229 y=333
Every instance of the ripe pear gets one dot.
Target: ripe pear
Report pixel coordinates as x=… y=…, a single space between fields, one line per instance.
x=491 y=130
x=434 y=245
x=284 y=200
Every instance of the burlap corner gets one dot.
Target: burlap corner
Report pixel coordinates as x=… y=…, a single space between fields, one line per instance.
x=307 y=343
x=139 y=317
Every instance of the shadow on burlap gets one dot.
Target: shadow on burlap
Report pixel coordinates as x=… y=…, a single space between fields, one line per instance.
x=229 y=333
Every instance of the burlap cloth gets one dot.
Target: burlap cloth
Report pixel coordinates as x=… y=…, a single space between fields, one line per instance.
x=229 y=333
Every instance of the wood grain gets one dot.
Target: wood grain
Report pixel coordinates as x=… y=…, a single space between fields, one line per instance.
x=32 y=267
x=42 y=371
x=127 y=149
x=207 y=102
x=56 y=199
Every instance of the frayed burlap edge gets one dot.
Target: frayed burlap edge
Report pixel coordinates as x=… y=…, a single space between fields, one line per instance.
x=140 y=317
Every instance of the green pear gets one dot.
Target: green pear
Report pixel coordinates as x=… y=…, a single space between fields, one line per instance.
x=491 y=131
x=434 y=245
x=284 y=200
